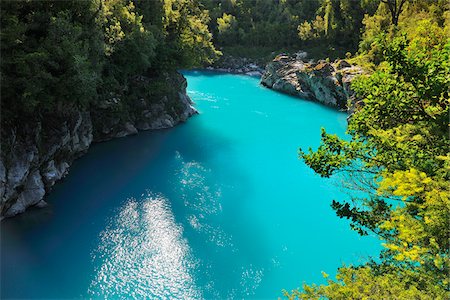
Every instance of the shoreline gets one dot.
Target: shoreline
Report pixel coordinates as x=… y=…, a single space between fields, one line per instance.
x=209 y=69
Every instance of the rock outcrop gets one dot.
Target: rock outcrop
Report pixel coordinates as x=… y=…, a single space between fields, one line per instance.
x=164 y=108
x=39 y=152
x=238 y=65
x=327 y=83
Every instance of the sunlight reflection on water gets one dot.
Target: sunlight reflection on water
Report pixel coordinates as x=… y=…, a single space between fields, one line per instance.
x=142 y=254
x=246 y=218
x=203 y=199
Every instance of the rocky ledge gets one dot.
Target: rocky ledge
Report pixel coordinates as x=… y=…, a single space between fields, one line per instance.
x=238 y=65
x=321 y=81
x=39 y=152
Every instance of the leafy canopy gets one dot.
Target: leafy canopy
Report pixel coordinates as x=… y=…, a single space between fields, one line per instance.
x=399 y=156
x=58 y=55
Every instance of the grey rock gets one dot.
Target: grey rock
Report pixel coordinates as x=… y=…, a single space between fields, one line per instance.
x=51 y=173
x=130 y=128
x=18 y=170
x=237 y=65
x=54 y=172
x=168 y=121
x=327 y=83
x=41 y=204
x=32 y=194
x=2 y=179
x=142 y=125
x=254 y=73
x=301 y=55
x=341 y=64
x=27 y=174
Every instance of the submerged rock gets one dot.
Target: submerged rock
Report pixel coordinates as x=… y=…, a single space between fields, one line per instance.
x=37 y=154
x=324 y=82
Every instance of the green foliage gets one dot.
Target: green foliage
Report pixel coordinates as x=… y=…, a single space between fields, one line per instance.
x=415 y=16
x=66 y=54
x=188 y=40
x=313 y=30
x=398 y=155
x=289 y=23
x=47 y=54
x=364 y=283
x=258 y=23
x=227 y=29
x=129 y=47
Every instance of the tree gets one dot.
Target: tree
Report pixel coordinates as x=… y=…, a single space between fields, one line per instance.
x=398 y=155
x=395 y=8
x=61 y=55
x=187 y=35
x=227 y=25
x=49 y=50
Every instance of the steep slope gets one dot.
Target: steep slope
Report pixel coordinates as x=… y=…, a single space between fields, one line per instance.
x=324 y=82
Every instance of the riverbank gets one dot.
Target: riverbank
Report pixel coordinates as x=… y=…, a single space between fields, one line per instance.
x=325 y=82
x=38 y=153
x=147 y=213
x=238 y=65
x=296 y=74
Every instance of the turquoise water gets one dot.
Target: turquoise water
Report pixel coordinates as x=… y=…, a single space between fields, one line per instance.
x=218 y=207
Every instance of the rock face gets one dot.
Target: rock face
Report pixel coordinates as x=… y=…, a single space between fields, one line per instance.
x=37 y=154
x=163 y=109
x=327 y=83
x=238 y=65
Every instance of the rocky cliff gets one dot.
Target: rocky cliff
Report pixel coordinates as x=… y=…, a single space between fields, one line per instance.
x=38 y=152
x=327 y=83
x=238 y=65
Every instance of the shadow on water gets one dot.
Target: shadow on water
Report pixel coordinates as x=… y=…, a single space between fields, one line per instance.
x=59 y=241
x=220 y=207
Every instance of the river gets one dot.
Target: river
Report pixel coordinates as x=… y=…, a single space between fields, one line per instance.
x=217 y=207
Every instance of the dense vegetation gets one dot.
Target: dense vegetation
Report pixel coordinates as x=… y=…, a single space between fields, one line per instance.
x=318 y=26
x=399 y=157
x=62 y=54
x=286 y=24
x=324 y=28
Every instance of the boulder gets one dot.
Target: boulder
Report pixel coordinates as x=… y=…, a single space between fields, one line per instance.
x=341 y=64
x=301 y=55
x=239 y=65
x=324 y=82
x=323 y=69
x=32 y=194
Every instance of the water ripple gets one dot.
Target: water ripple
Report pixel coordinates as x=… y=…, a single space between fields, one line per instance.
x=142 y=254
x=203 y=199
x=197 y=192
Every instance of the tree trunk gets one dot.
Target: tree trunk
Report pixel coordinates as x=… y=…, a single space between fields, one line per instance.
x=395 y=8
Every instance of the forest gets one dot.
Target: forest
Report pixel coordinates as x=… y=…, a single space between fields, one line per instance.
x=75 y=53
x=324 y=28
x=59 y=55
x=398 y=156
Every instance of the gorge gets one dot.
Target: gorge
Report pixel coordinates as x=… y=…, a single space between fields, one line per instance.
x=278 y=183
x=217 y=207
x=40 y=153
